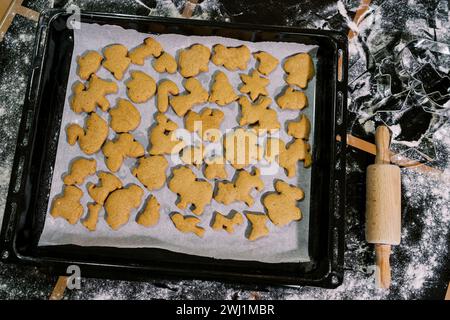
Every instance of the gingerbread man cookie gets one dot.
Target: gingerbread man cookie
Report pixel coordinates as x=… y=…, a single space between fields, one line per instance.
x=165 y=88
x=222 y=222
x=242 y=149
x=232 y=58
x=282 y=205
x=190 y=189
x=222 y=93
x=116 y=60
x=90 y=139
x=151 y=171
x=288 y=156
x=91 y=220
x=141 y=87
x=120 y=203
x=150 y=216
x=258 y=227
x=150 y=47
x=107 y=184
x=162 y=137
x=165 y=63
x=228 y=192
x=80 y=169
x=300 y=70
x=292 y=99
x=194 y=60
x=68 y=205
x=86 y=98
x=254 y=85
x=196 y=94
x=204 y=123
x=267 y=62
x=125 y=117
x=116 y=151
x=300 y=129
x=88 y=64
x=259 y=115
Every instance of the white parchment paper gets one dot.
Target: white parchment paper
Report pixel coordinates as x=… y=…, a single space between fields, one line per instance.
x=286 y=244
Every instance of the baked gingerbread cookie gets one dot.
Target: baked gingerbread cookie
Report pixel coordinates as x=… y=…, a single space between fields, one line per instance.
x=240 y=190
x=193 y=155
x=125 y=117
x=288 y=157
x=151 y=171
x=150 y=216
x=258 y=227
x=282 y=205
x=165 y=63
x=90 y=139
x=120 y=203
x=227 y=223
x=107 y=184
x=300 y=70
x=187 y=224
x=86 y=98
x=254 y=85
x=92 y=218
x=259 y=115
x=232 y=58
x=165 y=88
x=222 y=92
x=195 y=94
x=162 y=137
x=88 y=64
x=190 y=190
x=267 y=62
x=292 y=99
x=300 y=129
x=194 y=60
x=150 y=47
x=80 y=169
x=116 y=151
x=206 y=124
x=215 y=168
x=242 y=148
x=116 y=60
x=141 y=87
x=68 y=205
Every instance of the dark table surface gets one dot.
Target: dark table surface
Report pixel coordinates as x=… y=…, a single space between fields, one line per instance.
x=398 y=75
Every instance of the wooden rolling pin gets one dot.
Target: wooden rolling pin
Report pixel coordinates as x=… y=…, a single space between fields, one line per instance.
x=383 y=206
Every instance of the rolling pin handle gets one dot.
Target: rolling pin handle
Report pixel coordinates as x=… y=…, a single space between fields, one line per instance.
x=383 y=272
x=382 y=142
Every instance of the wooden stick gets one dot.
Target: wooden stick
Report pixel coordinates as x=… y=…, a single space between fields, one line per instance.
x=189 y=8
x=58 y=290
x=8 y=10
x=447 y=296
x=359 y=13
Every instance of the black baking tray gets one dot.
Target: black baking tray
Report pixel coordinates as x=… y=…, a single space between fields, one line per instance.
x=37 y=144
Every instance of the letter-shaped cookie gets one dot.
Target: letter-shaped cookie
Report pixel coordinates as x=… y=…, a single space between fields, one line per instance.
x=292 y=99
x=165 y=63
x=107 y=184
x=300 y=70
x=258 y=226
x=282 y=205
x=190 y=189
x=259 y=114
x=228 y=192
x=116 y=60
x=222 y=222
x=119 y=204
x=68 y=205
x=288 y=157
x=196 y=95
x=194 y=60
x=162 y=137
x=91 y=220
x=242 y=149
x=86 y=98
x=267 y=62
x=141 y=87
x=300 y=129
x=116 y=151
x=222 y=91
x=150 y=216
x=150 y=47
x=151 y=171
x=88 y=64
x=232 y=58
x=201 y=123
x=215 y=168
x=79 y=170
x=90 y=139
x=125 y=117
x=165 y=88
x=187 y=224
x=254 y=85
